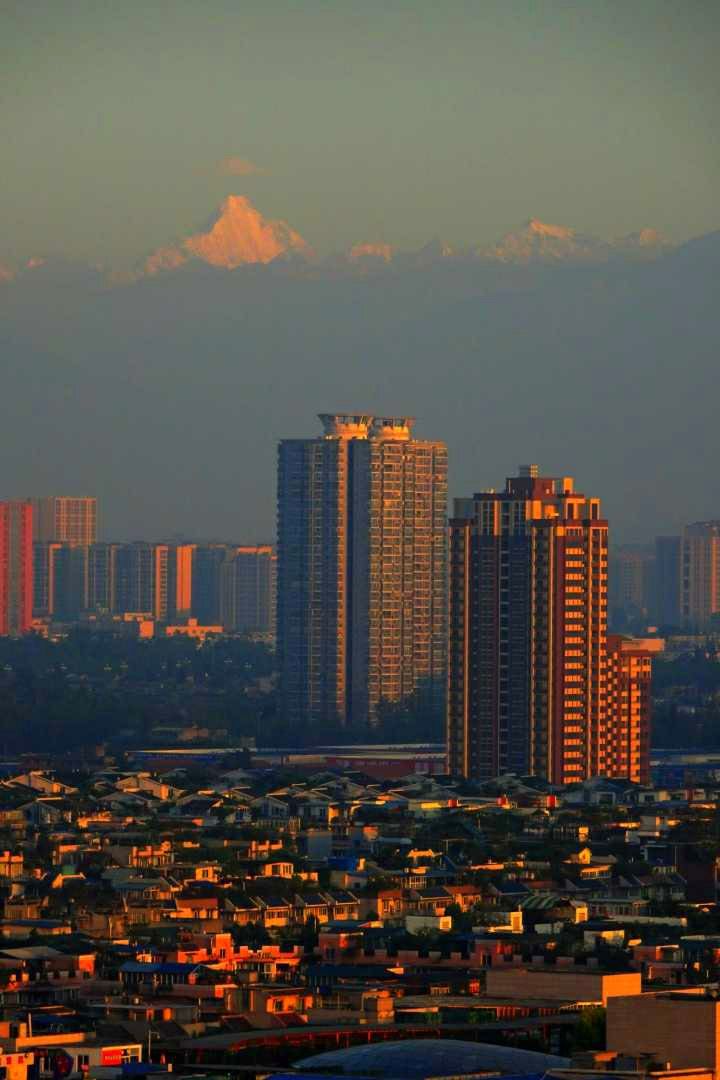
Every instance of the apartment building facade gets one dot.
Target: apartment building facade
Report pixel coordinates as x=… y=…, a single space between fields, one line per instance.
x=361 y=570
x=528 y=631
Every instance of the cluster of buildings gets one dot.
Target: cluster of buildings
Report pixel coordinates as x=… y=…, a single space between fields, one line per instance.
x=56 y=572
x=494 y=620
x=499 y=622
x=675 y=584
x=258 y=915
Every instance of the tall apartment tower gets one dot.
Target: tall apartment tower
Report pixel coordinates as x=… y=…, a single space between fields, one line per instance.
x=627 y=727
x=631 y=581
x=700 y=575
x=44 y=557
x=102 y=577
x=155 y=579
x=666 y=584
x=16 y=568
x=64 y=519
x=60 y=580
x=528 y=630
x=361 y=608
x=207 y=571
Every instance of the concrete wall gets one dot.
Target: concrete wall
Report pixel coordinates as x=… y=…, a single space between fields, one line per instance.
x=558 y=984
x=678 y=1028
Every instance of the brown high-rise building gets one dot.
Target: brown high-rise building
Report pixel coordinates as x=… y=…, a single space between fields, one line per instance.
x=361 y=611
x=700 y=575
x=528 y=630
x=65 y=519
x=625 y=737
x=16 y=568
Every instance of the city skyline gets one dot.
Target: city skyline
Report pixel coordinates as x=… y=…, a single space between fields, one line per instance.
x=317 y=733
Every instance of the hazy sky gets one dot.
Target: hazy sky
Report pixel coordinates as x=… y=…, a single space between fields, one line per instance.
x=392 y=119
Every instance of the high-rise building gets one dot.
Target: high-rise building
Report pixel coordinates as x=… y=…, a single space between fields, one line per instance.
x=60 y=580
x=102 y=577
x=626 y=733
x=666 y=581
x=140 y=578
x=361 y=609
x=631 y=580
x=700 y=575
x=154 y=579
x=16 y=568
x=178 y=597
x=248 y=590
x=208 y=561
x=65 y=519
x=44 y=579
x=528 y=629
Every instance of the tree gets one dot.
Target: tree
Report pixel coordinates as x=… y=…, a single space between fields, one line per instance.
x=589 y=1032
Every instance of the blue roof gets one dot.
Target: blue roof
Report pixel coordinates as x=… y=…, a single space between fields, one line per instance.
x=419 y=1059
x=512 y=888
x=321 y=1076
x=317 y=1076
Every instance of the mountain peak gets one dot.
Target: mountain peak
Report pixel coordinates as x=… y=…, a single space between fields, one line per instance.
x=371 y=251
x=541 y=228
x=239 y=235
x=538 y=241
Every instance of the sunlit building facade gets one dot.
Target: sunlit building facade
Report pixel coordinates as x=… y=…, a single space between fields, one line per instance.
x=361 y=610
x=625 y=737
x=700 y=575
x=65 y=519
x=16 y=568
x=154 y=579
x=528 y=632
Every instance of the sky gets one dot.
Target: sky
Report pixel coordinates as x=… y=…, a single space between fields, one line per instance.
x=125 y=123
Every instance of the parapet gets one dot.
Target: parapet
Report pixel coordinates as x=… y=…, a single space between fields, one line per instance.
x=346 y=425
x=392 y=427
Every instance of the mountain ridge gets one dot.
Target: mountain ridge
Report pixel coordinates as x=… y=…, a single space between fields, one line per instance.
x=239 y=235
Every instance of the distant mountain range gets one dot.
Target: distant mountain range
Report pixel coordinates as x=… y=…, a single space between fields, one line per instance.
x=239 y=235
x=165 y=391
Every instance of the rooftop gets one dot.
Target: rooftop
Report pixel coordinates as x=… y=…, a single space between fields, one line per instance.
x=416 y=1059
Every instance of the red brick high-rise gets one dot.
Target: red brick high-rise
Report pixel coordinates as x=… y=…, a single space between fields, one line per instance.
x=536 y=685
x=16 y=568
x=626 y=736
x=528 y=631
